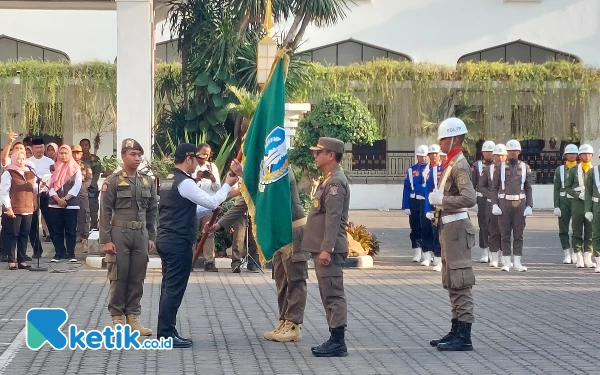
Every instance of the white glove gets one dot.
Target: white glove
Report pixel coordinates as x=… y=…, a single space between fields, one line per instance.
x=582 y=196
x=475 y=208
x=589 y=216
x=557 y=212
x=429 y=215
x=528 y=211
x=436 y=197
x=496 y=210
x=407 y=212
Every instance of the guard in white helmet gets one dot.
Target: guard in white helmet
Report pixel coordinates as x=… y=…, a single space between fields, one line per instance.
x=581 y=226
x=512 y=200
x=485 y=187
x=592 y=210
x=413 y=200
x=434 y=172
x=457 y=235
x=477 y=173
x=563 y=202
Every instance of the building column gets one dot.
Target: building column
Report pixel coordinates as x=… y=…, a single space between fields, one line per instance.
x=135 y=72
x=293 y=111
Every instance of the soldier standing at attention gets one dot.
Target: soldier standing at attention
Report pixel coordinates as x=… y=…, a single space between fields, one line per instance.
x=127 y=234
x=582 y=228
x=433 y=176
x=592 y=210
x=457 y=235
x=413 y=200
x=477 y=173
x=179 y=208
x=562 y=202
x=326 y=239
x=96 y=164
x=485 y=187
x=512 y=200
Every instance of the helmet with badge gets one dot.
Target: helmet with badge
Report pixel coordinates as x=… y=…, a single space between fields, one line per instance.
x=571 y=149
x=513 y=145
x=451 y=127
x=500 y=149
x=586 y=149
x=488 y=146
x=434 y=149
x=422 y=150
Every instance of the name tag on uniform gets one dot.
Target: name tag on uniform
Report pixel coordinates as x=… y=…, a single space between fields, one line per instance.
x=121 y=187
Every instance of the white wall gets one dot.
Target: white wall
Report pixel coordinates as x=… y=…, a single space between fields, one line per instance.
x=442 y=31
x=381 y=196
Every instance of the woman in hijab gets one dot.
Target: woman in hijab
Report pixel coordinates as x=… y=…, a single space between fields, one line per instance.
x=18 y=195
x=64 y=186
x=51 y=149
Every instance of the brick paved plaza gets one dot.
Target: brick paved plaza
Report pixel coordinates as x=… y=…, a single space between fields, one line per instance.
x=543 y=321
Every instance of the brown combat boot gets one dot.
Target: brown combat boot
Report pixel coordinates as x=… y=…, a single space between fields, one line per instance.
x=289 y=333
x=270 y=334
x=118 y=319
x=84 y=246
x=135 y=324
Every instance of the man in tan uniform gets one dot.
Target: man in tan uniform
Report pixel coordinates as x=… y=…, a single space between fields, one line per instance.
x=127 y=233
x=326 y=239
x=512 y=200
x=457 y=234
x=290 y=271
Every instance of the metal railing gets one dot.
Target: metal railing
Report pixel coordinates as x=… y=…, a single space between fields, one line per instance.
x=381 y=167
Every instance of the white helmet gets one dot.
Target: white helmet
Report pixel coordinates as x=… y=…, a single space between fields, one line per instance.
x=586 y=149
x=434 y=149
x=488 y=146
x=513 y=145
x=571 y=149
x=422 y=150
x=500 y=149
x=451 y=127
x=442 y=153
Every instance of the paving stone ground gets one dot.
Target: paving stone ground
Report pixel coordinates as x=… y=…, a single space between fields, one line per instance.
x=544 y=321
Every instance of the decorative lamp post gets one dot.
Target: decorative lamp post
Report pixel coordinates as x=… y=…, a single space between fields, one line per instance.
x=267 y=49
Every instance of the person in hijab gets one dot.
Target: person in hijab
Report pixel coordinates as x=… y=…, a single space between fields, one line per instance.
x=64 y=185
x=18 y=196
x=51 y=149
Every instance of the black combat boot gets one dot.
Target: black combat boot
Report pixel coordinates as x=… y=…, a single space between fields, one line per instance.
x=334 y=347
x=461 y=342
x=448 y=336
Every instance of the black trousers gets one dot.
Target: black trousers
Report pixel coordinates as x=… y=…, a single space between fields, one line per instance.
x=63 y=231
x=15 y=236
x=437 y=249
x=176 y=257
x=34 y=232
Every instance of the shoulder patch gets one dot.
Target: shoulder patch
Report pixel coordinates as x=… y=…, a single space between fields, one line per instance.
x=333 y=189
x=105 y=186
x=463 y=179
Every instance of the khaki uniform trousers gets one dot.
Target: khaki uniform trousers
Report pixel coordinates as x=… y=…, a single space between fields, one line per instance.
x=290 y=271
x=331 y=288
x=512 y=226
x=208 y=252
x=127 y=270
x=457 y=238
x=493 y=227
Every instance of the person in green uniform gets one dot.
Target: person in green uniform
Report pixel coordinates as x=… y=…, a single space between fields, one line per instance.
x=96 y=164
x=582 y=228
x=592 y=210
x=562 y=202
x=127 y=233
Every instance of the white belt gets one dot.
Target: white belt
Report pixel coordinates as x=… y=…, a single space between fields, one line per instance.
x=516 y=197
x=480 y=194
x=412 y=195
x=489 y=200
x=570 y=197
x=454 y=217
x=419 y=197
x=595 y=199
x=563 y=193
x=577 y=189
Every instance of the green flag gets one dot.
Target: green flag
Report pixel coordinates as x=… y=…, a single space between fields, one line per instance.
x=266 y=188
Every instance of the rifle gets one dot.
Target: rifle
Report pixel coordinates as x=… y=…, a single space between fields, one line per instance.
x=213 y=218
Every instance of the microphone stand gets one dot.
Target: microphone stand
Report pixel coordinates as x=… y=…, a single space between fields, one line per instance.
x=39 y=209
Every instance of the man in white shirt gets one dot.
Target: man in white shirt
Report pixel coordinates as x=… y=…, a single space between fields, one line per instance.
x=208 y=179
x=43 y=166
